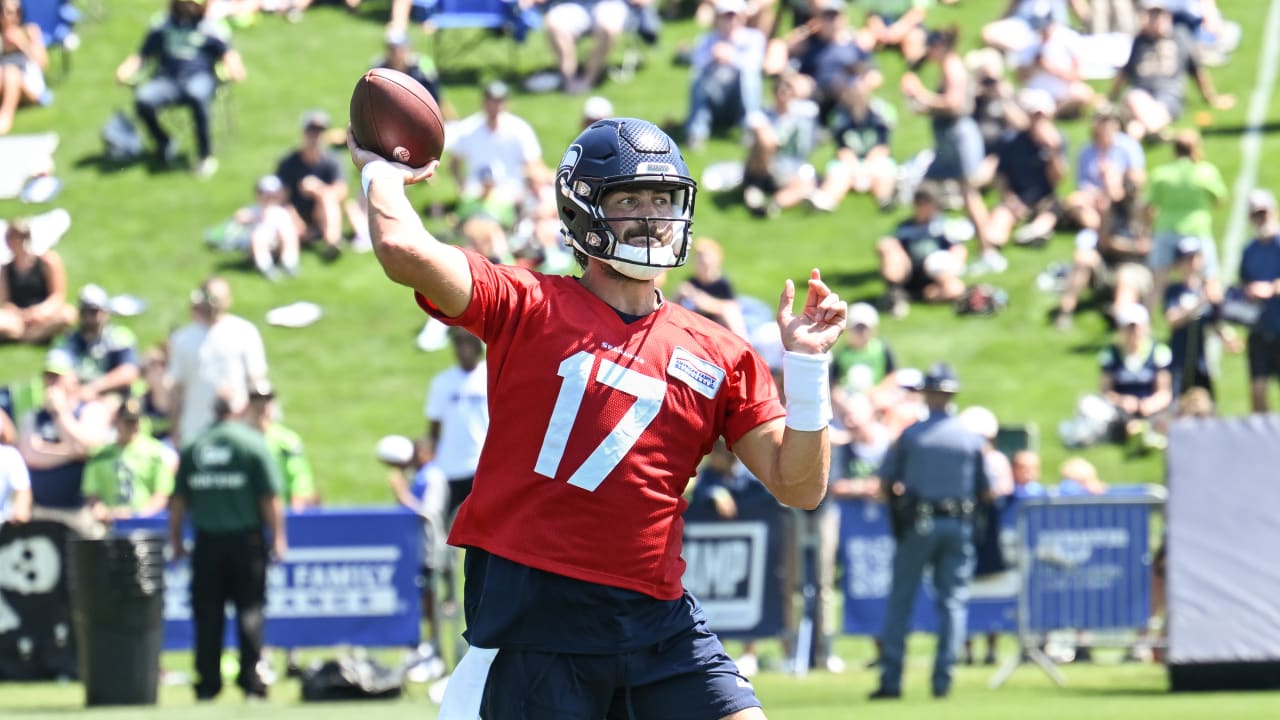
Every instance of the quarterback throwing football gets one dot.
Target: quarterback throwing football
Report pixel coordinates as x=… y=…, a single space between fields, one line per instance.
x=605 y=396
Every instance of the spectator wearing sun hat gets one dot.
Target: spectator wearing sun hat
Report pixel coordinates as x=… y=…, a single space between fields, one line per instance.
x=1260 y=276
x=725 y=74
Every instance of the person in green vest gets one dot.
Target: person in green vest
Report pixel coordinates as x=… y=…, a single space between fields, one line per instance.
x=286 y=447
x=864 y=364
x=131 y=477
x=229 y=483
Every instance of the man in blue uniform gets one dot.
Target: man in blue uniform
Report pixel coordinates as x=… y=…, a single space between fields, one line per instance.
x=935 y=477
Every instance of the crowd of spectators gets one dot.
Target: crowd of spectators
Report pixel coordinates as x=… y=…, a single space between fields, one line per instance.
x=96 y=441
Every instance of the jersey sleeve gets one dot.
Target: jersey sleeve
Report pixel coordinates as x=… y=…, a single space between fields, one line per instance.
x=498 y=293
x=753 y=397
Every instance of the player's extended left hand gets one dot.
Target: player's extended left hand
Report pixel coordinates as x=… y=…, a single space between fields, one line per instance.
x=815 y=330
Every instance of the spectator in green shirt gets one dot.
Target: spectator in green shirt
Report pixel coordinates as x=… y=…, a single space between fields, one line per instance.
x=1181 y=197
x=131 y=477
x=286 y=447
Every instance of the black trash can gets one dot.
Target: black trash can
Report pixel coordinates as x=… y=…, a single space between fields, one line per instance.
x=117 y=608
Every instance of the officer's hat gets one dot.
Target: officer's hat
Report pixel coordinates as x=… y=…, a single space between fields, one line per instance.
x=941 y=378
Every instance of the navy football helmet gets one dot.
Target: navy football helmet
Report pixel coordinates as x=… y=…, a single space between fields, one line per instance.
x=613 y=154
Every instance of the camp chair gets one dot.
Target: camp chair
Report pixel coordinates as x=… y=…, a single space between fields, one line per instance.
x=57 y=20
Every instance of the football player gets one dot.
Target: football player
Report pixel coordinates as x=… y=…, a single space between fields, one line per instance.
x=606 y=395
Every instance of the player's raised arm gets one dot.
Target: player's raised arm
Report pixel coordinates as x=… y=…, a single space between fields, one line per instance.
x=792 y=456
x=408 y=253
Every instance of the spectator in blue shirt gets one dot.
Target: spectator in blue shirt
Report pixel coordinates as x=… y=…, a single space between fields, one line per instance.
x=1026 y=475
x=825 y=49
x=1260 y=276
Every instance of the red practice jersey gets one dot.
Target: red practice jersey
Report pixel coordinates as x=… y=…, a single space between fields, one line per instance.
x=597 y=425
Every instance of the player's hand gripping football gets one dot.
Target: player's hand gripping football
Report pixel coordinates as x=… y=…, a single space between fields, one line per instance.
x=815 y=330
x=362 y=157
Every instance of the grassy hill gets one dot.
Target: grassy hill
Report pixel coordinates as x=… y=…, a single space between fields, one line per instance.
x=356 y=374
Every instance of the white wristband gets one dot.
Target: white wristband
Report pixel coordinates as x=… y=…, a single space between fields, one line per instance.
x=366 y=174
x=806 y=384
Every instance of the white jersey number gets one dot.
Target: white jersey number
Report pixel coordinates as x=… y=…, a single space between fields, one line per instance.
x=576 y=371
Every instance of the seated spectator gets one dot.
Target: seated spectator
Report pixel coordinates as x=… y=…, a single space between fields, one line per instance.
x=1025 y=470
x=568 y=21
x=1136 y=377
x=1016 y=30
x=133 y=475
x=1078 y=476
x=778 y=174
x=863 y=365
x=298 y=491
x=995 y=107
x=1052 y=63
x=33 y=300
x=920 y=261
x=1180 y=199
x=957 y=143
x=271 y=229
x=57 y=438
x=103 y=354
x=825 y=49
x=1260 y=278
x=861 y=128
x=1192 y=315
x=1155 y=73
x=1030 y=164
x=15 y=481
x=23 y=60
x=1112 y=16
x=1109 y=171
x=708 y=292
x=896 y=24
x=155 y=390
x=317 y=190
x=400 y=56
x=496 y=149
x=186 y=52
x=726 y=74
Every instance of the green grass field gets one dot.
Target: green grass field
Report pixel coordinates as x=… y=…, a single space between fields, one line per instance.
x=356 y=375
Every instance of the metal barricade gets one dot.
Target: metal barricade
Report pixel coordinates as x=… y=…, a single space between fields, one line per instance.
x=1085 y=564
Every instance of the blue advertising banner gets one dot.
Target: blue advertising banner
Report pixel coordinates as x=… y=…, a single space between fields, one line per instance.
x=866 y=550
x=1090 y=565
x=734 y=567
x=349 y=577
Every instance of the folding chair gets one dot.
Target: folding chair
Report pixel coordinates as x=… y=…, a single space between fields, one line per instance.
x=57 y=20
x=503 y=17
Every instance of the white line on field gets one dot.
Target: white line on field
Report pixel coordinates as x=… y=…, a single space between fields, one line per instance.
x=1251 y=143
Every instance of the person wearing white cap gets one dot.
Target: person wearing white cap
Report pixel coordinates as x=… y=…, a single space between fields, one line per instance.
x=596 y=107
x=270 y=228
x=725 y=72
x=1030 y=164
x=1136 y=378
x=863 y=364
x=104 y=355
x=1260 y=276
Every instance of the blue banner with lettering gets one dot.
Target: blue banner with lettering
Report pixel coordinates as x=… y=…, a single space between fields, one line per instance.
x=867 y=548
x=349 y=577
x=734 y=566
x=1090 y=565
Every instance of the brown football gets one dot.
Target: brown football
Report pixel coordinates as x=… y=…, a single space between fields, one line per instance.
x=395 y=117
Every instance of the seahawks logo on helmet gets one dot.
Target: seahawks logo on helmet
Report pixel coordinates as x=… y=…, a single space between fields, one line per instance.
x=612 y=155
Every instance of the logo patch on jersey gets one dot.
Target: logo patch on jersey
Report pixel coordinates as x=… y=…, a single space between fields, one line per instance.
x=701 y=375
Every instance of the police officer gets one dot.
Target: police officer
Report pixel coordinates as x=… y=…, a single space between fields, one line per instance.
x=935 y=476
x=229 y=481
